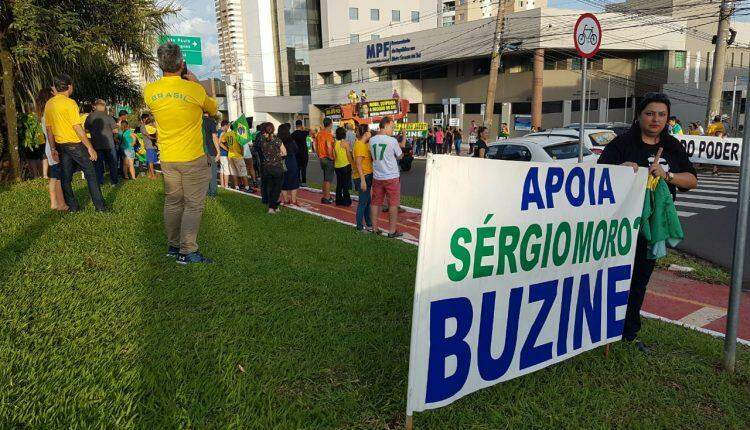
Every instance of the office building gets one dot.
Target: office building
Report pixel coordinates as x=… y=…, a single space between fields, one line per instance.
x=639 y=53
x=265 y=45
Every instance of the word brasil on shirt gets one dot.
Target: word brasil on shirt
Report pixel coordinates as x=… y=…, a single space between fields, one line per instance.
x=522 y=296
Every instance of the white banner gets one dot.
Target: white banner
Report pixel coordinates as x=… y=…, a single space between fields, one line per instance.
x=712 y=150
x=531 y=268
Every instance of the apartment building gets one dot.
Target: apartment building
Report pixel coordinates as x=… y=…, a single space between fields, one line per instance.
x=639 y=53
x=265 y=45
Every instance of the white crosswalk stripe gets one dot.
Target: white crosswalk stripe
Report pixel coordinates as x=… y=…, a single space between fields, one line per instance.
x=684 y=214
x=697 y=205
x=694 y=196
x=721 y=190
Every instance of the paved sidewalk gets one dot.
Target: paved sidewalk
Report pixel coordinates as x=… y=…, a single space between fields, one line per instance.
x=694 y=304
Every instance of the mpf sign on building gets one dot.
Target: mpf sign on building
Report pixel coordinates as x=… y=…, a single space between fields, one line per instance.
x=394 y=50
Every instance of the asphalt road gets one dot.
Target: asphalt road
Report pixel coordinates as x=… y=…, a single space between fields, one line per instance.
x=708 y=213
x=412 y=182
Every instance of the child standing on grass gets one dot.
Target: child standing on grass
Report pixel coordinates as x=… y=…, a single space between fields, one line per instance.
x=149 y=135
x=127 y=141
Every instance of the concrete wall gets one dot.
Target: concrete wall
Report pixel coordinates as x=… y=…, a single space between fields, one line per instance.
x=336 y=25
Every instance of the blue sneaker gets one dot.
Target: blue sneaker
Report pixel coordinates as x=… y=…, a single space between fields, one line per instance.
x=173 y=252
x=193 y=257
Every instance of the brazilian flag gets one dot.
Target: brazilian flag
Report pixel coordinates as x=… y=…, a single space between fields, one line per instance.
x=242 y=128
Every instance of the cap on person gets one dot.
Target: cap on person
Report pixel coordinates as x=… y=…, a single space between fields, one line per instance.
x=298 y=123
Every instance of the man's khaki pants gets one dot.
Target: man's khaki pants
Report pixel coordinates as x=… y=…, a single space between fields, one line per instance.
x=185 y=187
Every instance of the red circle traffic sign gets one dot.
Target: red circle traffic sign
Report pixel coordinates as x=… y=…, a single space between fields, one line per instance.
x=587 y=35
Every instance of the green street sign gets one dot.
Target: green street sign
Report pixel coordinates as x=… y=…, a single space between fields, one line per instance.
x=190 y=47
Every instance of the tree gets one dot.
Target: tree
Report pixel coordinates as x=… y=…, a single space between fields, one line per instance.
x=90 y=39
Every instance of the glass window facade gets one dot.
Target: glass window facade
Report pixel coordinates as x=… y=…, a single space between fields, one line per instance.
x=680 y=57
x=415 y=16
x=374 y=14
x=651 y=61
x=353 y=38
x=353 y=13
x=396 y=15
x=302 y=33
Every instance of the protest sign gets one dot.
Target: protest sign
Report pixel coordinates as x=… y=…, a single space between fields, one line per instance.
x=517 y=276
x=412 y=129
x=722 y=151
x=333 y=112
x=379 y=108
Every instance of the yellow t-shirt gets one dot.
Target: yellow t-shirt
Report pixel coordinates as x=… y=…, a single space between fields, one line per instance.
x=61 y=114
x=178 y=106
x=83 y=121
x=232 y=142
x=340 y=157
x=361 y=150
x=714 y=127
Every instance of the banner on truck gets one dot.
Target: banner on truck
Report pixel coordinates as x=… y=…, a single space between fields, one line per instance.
x=515 y=278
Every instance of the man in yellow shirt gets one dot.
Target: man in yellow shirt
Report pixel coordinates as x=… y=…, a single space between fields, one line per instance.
x=69 y=144
x=715 y=126
x=177 y=102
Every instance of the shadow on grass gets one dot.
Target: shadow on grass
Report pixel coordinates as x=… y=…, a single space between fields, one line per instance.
x=17 y=247
x=181 y=386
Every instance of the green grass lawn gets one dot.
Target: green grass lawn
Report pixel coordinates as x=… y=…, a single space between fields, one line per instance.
x=301 y=323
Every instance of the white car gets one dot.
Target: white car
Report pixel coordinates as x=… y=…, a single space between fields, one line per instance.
x=539 y=149
x=596 y=138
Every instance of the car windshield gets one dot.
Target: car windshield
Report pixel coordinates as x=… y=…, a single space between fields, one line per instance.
x=565 y=151
x=602 y=138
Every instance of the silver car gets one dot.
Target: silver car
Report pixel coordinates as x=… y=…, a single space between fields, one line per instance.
x=596 y=138
x=539 y=149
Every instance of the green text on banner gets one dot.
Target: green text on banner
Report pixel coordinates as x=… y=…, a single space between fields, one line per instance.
x=521 y=265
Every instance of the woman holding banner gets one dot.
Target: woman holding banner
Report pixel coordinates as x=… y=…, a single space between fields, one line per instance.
x=649 y=144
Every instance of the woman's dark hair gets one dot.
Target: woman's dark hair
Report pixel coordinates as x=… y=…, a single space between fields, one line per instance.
x=362 y=129
x=340 y=133
x=649 y=98
x=481 y=130
x=284 y=133
x=41 y=100
x=268 y=128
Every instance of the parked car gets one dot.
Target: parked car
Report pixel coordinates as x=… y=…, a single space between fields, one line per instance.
x=539 y=149
x=596 y=138
x=618 y=127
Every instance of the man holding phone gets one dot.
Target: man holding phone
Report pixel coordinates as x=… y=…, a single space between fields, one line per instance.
x=177 y=102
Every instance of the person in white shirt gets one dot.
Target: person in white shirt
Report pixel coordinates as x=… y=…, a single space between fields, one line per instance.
x=386 y=151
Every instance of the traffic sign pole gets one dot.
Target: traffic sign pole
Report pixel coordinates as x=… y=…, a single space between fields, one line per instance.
x=582 y=128
x=738 y=262
x=587 y=38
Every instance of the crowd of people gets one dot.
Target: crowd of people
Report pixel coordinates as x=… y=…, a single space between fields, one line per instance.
x=91 y=142
x=192 y=152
